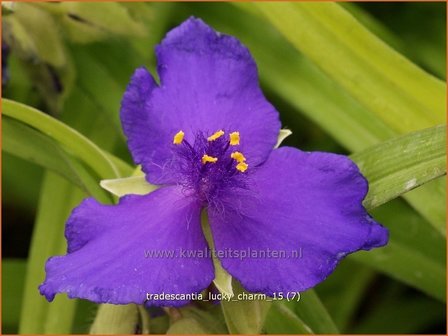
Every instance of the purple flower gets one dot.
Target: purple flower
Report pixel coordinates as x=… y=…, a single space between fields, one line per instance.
x=206 y=134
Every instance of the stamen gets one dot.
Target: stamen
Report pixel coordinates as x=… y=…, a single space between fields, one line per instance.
x=234 y=138
x=238 y=156
x=178 y=138
x=206 y=158
x=242 y=166
x=215 y=135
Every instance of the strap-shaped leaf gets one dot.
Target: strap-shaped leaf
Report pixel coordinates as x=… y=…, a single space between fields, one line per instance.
x=58 y=197
x=401 y=164
x=415 y=254
x=282 y=320
x=311 y=310
x=27 y=143
x=72 y=140
x=397 y=91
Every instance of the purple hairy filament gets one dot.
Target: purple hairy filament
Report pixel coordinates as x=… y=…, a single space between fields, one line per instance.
x=210 y=164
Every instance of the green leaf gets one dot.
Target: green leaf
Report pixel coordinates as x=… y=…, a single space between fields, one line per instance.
x=33 y=146
x=81 y=114
x=419 y=314
x=244 y=316
x=100 y=85
x=391 y=168
x=312 y=312
x=349 y=283
x=398 y=92
x=396 y=166
x=19 y=87
x=21 y=182
x=399 y=261
x=415 y=253
x=38 y=316
x=423 y=49
x=12 y=289
x=70 y=139
x=197 y=321
x=282 y=320
x=429 y=201
x=115 y=319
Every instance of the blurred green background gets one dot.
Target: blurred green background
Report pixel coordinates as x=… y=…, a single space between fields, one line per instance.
x=73 y=61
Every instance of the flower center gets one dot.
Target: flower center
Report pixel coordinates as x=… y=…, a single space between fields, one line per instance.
x=210 y=164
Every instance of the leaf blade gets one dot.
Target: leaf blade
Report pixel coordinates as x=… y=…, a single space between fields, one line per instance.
x=342 y=57
x=396 y=166
x=66 y=136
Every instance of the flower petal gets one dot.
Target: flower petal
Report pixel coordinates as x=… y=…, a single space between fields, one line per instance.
x=133 y=114
x=307 y=207
x=117 y=254
x=209 y=82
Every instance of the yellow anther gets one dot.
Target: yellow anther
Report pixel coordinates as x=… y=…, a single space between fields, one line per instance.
x=178 y=138
x=234 y=138
x=207 y=158
x=242 y=166
x=238 y=156
x=215 y=135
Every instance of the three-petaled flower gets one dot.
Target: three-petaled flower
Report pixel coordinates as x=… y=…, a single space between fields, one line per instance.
x=206 y=134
